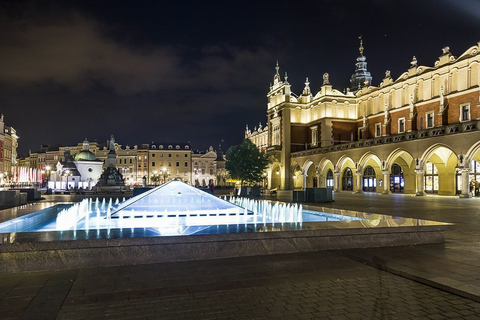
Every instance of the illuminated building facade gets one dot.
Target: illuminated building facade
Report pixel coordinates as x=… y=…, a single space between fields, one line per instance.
x=166 y=161
x=209 y=166
x=417 y=134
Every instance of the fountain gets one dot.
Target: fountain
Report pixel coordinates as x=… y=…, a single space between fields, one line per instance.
x=177 y=222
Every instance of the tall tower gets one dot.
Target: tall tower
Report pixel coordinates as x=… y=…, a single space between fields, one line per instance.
x=361 y=77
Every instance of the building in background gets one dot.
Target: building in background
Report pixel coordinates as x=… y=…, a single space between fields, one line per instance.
x=417 y=133
x=209 y=166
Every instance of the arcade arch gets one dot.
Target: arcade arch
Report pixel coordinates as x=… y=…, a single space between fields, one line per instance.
x=275 y=176
x=370 y=172
x=324 y=167
x=439 y=164
x=400 y=166
x=345 y=168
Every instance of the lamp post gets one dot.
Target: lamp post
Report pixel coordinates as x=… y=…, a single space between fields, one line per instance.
x=67 y=172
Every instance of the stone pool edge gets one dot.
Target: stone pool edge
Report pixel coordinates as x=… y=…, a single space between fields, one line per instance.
x=20 y=256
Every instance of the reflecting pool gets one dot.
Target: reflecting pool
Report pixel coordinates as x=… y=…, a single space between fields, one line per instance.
x=174 y=208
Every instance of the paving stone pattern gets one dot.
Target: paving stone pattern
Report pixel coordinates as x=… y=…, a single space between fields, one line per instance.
x=324 y=285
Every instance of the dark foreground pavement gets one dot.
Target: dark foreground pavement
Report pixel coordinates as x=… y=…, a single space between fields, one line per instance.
x=416 y=282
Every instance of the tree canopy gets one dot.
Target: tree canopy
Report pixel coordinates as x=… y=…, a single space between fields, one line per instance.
x=246 y=163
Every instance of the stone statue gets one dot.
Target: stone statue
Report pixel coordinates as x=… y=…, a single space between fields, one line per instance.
x=387 y=74
x=413 y=63
x=112 y=143
x=326 y=80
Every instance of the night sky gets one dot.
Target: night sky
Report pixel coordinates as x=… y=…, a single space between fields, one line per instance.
x=198 y=71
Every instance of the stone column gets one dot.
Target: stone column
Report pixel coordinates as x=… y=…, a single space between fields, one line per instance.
x=305 y=175
x=359 y=182
x=386 y=181
x=336 y=184
x=420 y=182
x=465 y=183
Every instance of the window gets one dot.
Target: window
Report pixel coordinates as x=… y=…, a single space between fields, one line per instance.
x=401 y=125
x=169 y=155
x=153 y=155
x=177 y=155
x=203 y=171
x=186 y=164
x=186 y=155
x=185 y=173
x=169 y=163
x=177 y=164
x=378 y=129
x=170 y=147
x=161 y=155
x=153 y=163
x=330 y=179
x=187 y=147
x=465 y=112
x=154 y=147
x=177 y=147
x=211 y=171
x=131 y=161
x=429 y=120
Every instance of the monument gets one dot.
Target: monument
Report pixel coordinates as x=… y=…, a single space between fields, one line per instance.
x=111 y=180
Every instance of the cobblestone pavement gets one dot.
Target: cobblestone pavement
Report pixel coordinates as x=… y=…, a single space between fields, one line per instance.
x=324 y=285
x=321 y=285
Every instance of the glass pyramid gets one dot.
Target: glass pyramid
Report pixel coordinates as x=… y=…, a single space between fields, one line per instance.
x=175 y=197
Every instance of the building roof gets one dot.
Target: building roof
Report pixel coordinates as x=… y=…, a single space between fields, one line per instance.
x=85 y=155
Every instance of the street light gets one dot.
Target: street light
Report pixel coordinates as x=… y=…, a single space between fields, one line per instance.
x=67 y=172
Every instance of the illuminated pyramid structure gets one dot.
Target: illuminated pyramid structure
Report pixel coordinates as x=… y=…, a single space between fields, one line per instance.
x=175 y=198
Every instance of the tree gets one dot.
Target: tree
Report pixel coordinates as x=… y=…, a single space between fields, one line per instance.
x=155 y=178
x=246 y=163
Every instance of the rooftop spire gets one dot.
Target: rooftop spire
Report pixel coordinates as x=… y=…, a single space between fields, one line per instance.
x=361 y=75
x=361 y=46
x=306 y=90
x=276 y=78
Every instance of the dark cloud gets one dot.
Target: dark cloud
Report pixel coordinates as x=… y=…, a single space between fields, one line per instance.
x=197 y=71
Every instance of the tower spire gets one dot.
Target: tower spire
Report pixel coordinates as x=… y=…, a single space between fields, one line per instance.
x=361 y=48
x=361 y=75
